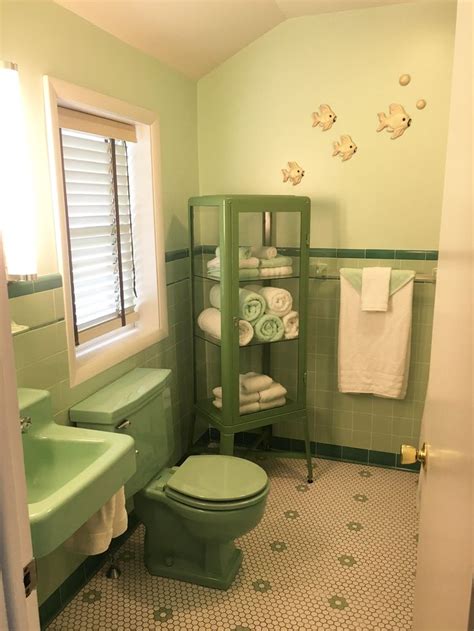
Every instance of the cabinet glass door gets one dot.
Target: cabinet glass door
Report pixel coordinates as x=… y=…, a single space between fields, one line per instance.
x=266 y=273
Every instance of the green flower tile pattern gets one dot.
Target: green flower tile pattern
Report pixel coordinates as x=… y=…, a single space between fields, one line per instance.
x=346 y=560
x=337 y=602
x=291 y=514
x=360 y=498
x=302 y=488
x=162 y=614
x=327 y=569
x=91 y=596
x=261 y=585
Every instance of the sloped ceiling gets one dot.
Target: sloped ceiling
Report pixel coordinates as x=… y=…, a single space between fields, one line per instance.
x=195 y=36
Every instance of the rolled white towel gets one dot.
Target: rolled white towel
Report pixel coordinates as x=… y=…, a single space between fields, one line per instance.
x=264 y=251
x=254 y=382
x=209 y=321
x=246 y=408
x=252 y=262
x=265 y=272
x=275 y=391
x=243 y=398
x=291 y=322
x=279 y=301
x=275 y=403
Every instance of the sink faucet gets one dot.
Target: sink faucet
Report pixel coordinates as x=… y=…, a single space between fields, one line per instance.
x=25 y=423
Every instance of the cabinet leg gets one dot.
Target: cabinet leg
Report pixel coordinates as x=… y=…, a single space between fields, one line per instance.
x=227 y=444
x=307 y=442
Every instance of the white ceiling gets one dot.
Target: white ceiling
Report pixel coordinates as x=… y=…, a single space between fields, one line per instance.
x=195 y=36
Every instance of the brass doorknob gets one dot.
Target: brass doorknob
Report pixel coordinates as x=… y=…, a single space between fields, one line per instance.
x=410 y=454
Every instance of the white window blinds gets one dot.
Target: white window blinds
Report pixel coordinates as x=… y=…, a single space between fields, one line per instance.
x=99 y=219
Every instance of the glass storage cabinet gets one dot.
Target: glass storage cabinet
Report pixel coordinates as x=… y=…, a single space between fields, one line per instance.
x=223 y=351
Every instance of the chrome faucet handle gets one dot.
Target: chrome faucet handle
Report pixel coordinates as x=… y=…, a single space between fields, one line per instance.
x=25 y=423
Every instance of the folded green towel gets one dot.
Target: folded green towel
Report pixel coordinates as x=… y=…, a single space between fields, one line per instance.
x=277 y=261
x=245 y=273
x=251 y=304
x=245 y=252
x=398 y=278
x=269 y=328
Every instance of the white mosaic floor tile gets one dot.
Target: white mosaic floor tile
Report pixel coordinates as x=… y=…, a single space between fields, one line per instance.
x=337 y=555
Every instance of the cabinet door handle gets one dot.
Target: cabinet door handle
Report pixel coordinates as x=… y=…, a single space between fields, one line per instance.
x=125 y=423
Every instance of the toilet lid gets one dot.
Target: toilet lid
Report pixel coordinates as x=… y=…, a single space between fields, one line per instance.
x=218 y=478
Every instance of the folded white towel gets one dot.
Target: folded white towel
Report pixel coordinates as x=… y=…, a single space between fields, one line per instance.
x=264 y=251
x=209 y=321
x=275 y=403
x=274 y=392
x=252 y=262
x=243 y=397
x=245 y=408
x=249 y=408
x=375 y=288
x=266 y=272
x=291 y=322
x=254 y=382
x=279 y=301
x=95 y=535
x=374 y=347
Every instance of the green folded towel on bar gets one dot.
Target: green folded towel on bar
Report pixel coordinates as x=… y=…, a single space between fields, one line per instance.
x=269 y=328
x=277 y=261
x=398 y=278
x=251 y=305
x=245 y=273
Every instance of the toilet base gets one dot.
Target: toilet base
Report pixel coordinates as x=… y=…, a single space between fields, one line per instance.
x=221 y=577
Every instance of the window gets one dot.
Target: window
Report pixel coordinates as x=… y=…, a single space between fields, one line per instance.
x=105 y=176
x=100 y=229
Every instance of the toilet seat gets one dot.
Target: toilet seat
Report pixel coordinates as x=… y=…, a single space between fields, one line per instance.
x=217 y=483
x=215 y=506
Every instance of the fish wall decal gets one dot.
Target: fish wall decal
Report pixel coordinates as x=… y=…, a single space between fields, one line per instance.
x=294 y=173
x=324 y=117
x=346 y=148
x=396 y=122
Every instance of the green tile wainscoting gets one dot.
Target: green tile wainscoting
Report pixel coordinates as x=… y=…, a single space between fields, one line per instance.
x=41 y=362
x=350 y=427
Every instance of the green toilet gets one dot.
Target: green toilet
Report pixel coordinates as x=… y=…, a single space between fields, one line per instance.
x=192 y=513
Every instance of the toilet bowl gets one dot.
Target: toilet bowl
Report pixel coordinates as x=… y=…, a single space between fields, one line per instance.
x=192 y=513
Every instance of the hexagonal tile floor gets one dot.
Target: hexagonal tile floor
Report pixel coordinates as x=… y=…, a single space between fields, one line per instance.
x=339 y=554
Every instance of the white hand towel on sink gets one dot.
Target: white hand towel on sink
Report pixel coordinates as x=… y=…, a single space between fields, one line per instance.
x=375 y=288
x=95 y=535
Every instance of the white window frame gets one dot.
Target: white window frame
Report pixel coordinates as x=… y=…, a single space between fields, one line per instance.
x=92 y=358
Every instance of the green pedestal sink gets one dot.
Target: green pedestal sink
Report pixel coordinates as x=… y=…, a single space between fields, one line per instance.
x=70 y=472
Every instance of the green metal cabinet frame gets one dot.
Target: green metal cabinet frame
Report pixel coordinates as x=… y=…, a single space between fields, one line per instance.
x=228 y=420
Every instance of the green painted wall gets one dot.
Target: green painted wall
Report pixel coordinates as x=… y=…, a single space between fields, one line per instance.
x=43 y=38
x=254 y=114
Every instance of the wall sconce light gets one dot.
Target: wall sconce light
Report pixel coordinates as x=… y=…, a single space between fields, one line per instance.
x=17 y=192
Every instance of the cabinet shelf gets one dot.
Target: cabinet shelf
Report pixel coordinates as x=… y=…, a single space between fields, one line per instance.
x=213 y=340
x=246 y=281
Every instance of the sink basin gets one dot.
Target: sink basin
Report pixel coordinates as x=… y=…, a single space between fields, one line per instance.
x=70 y=472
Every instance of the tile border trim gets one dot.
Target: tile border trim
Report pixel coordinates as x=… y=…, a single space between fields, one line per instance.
x=327 y=451
x=54 y=281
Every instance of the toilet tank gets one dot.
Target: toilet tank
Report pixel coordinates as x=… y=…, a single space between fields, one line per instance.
x=137 y=404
